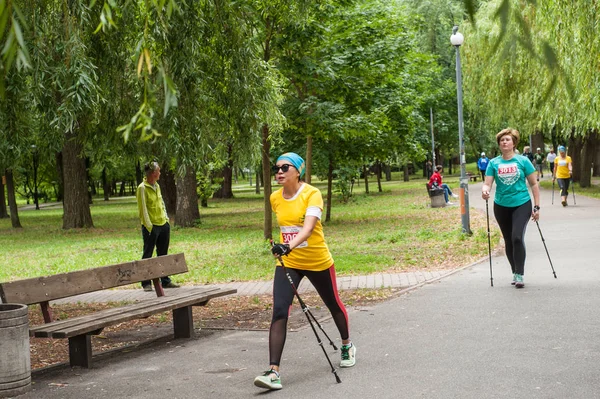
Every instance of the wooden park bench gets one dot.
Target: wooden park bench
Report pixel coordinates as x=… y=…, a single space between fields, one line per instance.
x=79 y=329
x=472 y=177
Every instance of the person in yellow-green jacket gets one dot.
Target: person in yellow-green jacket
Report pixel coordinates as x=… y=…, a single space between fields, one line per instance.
x=156 y=231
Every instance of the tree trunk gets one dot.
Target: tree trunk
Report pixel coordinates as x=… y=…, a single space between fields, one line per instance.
x=574 y=151
x=379 y=189
x=266 y=169
x=76 y=209
x=554 y=138
x=309 y=157
x=587 y=158
x=12 y=200
x=329 y=189
x=188 y=213
x=60 y=192
x=3 y=210
x=450 y=165
x=105 y=185
x=226 y=189
x=366 y=177
x=139 y=177
x=168 y=188
x=537 y=141
x=405 y=170
x=597 y=161
x=258 y=180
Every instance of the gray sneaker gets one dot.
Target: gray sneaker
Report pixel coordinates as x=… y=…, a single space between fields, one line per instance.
x=348 y=356
x=269 y=380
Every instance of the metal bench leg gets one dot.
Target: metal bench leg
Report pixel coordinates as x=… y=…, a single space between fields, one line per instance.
x=183 y=322
x=80 y=351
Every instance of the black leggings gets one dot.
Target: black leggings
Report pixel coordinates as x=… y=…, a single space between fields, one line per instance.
x=283 y=295
x=513 y=222
x=564 y=187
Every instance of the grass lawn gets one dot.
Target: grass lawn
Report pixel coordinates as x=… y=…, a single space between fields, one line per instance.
x=394 y=230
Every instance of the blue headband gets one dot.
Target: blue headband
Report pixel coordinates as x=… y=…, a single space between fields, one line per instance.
x=561 y=148
x=296 y=160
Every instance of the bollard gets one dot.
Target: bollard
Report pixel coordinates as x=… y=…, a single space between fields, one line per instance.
x=15 y=363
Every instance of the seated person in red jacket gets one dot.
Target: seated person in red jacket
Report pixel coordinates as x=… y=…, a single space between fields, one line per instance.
x=436 y=182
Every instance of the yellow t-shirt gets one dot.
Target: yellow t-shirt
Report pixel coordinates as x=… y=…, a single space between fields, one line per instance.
x=313 y=254
x=562 y=169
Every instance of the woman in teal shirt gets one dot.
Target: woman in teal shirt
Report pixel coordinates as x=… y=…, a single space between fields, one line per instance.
x=512 y=203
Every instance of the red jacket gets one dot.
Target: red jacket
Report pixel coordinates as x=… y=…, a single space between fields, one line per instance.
x=435 y=180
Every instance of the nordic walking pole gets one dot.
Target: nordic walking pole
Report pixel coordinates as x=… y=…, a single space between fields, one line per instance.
x=552 y=191
x=544 y=242
x=573 y=188
x=487 y=214
x=309 y=314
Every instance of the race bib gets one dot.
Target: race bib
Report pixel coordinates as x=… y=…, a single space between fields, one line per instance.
x=288 y=233
x=508 y=173
x=562 y=162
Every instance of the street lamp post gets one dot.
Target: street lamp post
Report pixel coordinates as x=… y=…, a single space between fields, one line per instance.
x=457 y=40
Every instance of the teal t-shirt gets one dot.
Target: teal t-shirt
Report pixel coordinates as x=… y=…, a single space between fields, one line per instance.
x=511 y=180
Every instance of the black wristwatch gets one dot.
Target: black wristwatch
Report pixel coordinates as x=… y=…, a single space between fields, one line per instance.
x=536 y=208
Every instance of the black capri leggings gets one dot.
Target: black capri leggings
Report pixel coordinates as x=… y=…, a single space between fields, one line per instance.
x=513 y=222
x=564 y=187
x=324 y=282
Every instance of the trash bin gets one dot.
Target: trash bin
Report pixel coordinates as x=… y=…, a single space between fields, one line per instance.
x=15 y=363
x=437 y=197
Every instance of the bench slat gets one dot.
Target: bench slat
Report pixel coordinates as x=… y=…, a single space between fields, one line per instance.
x=85 y=324
x=50 y=288
x=58 y=324
x=135 y=314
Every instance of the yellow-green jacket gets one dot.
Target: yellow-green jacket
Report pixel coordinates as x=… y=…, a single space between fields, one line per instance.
x=151 y=207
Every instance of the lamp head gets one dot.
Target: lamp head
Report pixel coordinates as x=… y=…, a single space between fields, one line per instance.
x=457 y=38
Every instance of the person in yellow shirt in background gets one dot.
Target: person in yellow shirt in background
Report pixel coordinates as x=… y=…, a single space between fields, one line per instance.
x=298 y=207
x=156 y=231
x=563 y=171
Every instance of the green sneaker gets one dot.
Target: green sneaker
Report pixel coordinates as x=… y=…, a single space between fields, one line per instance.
x=519 y=281
x=514 y=279
x=269 y=380
x=348 y=355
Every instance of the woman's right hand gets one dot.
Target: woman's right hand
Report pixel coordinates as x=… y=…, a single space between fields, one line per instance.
x=485 y=195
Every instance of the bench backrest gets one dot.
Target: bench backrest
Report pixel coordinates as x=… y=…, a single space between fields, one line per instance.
x=49 y=288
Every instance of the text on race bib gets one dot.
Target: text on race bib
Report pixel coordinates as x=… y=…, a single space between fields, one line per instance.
x=288 y=233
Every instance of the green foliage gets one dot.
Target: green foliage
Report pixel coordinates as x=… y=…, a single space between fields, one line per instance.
x=345 y=178
x=521 y=55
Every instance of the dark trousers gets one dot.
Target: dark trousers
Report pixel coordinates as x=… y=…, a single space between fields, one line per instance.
x=482 y=174
x=159 y=238
x=564 y=187
x=513 y=222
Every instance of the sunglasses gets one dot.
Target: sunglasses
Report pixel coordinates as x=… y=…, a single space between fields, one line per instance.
x=284 y=168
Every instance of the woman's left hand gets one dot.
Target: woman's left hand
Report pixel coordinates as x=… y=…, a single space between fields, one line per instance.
x=535 y=215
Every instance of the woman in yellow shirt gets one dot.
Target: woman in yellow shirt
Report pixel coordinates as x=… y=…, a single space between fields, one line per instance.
x=298 y=207
x=563 y=171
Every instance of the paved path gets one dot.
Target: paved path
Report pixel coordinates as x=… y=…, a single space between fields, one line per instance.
x=453 y=338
